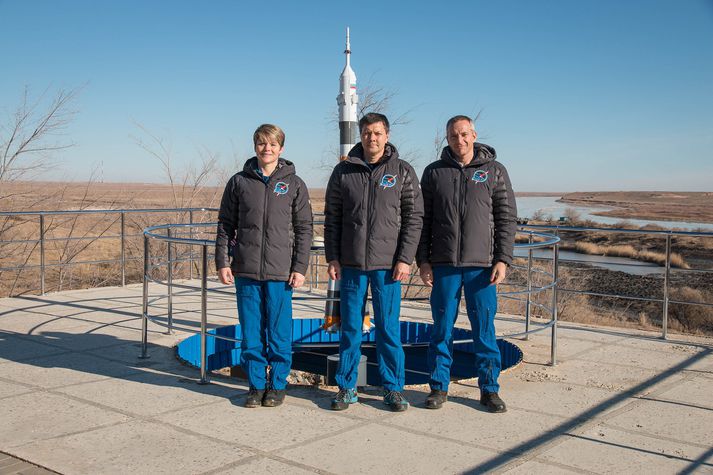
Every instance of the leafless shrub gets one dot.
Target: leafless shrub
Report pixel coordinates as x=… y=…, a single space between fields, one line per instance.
x=28 y=139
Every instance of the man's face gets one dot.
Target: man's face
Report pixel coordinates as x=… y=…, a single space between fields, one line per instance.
x=461 y=138
x=267 y=150
x=373 y=139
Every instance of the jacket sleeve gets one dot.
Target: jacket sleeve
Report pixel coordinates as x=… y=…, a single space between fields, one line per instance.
x=411 y=216
x=423 y=255
x=302 y=227
x=504 y=217
x=333 y=217
x=227 y=224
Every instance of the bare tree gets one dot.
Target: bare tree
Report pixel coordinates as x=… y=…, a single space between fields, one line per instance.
x=30 y=136
x=189 y=184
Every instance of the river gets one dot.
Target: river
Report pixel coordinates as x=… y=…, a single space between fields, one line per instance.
x=528 y=205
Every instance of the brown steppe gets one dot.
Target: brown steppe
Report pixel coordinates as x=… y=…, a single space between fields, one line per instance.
x=95 y=238
x=656 y=205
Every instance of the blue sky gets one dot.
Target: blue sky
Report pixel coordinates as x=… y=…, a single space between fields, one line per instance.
x=574 y=95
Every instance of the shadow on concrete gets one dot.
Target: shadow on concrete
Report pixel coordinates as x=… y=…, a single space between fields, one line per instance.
x=571 y=424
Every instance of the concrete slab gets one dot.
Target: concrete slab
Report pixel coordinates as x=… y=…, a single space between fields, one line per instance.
x=63 y=370
x=635 y=357
x=293 y=424
x=555 y=398
x=607 y=450
x=694 y=392
x=14 y=348
x=680 y=421
x=600 y=375
x=8 y=388
x=154 y=448
x=466 y=420
x=39 y=415
x=149 y=393
x=534 y=467
x=373 y=448
x=266 y=466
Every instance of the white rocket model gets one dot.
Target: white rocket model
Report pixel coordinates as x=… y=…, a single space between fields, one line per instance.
x=348 y=136
x=347 y=101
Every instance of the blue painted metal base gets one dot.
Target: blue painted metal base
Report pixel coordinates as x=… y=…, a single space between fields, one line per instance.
x=312 y=345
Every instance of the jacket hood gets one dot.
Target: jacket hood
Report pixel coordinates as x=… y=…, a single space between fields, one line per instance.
x=284 y=168
x=483 y=154
x=356 y=154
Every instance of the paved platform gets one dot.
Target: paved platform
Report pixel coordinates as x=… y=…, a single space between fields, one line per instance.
x=75 y=399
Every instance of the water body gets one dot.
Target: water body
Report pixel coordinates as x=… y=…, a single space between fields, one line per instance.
x=528 y=205
x=621 y=264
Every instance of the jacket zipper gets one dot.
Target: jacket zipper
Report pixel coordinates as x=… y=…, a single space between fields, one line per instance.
x=368 y=219
x=461 y=181
x=264 y=231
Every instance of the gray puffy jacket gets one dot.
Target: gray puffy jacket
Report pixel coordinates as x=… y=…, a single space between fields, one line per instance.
x=470 y=212
x=373 y=218
x=268 y=225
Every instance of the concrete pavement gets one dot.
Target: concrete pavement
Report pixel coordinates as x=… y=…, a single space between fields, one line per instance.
x=74 y=398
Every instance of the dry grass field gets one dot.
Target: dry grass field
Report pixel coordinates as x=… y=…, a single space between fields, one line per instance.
x=657 y=205
x=72 y=240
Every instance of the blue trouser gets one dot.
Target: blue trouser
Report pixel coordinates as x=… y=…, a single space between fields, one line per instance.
x=386 y=298
x=265 y=314
x=481 y=304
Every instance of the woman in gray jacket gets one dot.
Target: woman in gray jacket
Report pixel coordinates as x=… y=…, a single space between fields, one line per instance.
x=265 y=224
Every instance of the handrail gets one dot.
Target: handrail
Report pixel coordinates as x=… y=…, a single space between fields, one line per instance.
x=122 y=236
x=151 y=233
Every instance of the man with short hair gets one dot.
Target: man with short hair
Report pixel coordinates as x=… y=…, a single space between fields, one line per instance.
x=373 y=219
x=466 y=245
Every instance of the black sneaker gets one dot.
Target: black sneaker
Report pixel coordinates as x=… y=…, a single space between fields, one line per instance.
x=493 y=402
x=395 y=400
x=254 y=398
x=436 y=399
x=343 y=399
x=273 y=397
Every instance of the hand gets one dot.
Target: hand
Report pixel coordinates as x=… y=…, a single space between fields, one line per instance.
x=426 y=272
x=296 y=280
x=334 y=270
x=226 y=275
x=498 y=273
x=401 y=271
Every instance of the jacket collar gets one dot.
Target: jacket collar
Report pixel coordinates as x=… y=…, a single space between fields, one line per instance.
x=284 y=168
x=356 y=154
x=483 y=154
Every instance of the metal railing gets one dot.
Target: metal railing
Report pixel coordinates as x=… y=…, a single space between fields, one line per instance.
x=42 y=240
x=667 y=236
x=171 y=239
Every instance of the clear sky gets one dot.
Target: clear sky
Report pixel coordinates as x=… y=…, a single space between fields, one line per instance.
x=574 y=95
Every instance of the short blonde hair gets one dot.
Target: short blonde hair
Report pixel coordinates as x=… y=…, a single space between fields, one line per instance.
x=269 y=131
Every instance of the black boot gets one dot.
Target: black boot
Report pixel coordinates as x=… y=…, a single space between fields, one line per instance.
x=254 y=398
x=273 y=397
x=436 y=399
x=493 y=402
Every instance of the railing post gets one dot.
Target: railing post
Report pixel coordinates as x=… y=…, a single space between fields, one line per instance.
x=123 y=249
x=145 y=306
x=204 y=315
x=555 y=274
x=529 y=287
x=190 y=248
x=170 y=282
x=42 y=254
x=666 y=282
